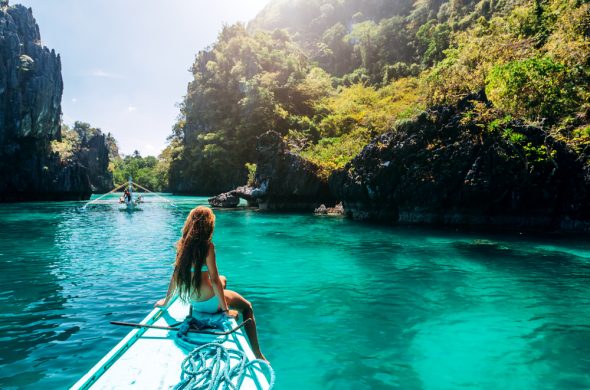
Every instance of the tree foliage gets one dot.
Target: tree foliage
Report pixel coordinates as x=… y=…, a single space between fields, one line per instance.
x=533 y=88
x=330 y=75
x=244 y=85
x=149 y=171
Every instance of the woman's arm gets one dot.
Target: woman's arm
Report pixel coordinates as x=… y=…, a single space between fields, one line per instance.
x=214 y=276
x=171 y=288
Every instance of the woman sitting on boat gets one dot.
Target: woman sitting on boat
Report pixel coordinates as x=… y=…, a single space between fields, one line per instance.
x=196 y=278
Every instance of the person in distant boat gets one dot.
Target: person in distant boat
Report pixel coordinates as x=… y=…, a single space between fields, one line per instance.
x=127 y=196
x=197 y=280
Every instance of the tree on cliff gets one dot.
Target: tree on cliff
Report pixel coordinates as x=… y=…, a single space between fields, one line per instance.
x=331 y=75
x=243 y=86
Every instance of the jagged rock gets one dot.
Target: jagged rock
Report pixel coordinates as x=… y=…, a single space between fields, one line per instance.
x=30 y=109
x=232 y=198
x=246 y=192
x=284 y=180
x=438 y=170
x=94 y=156
x=250 y=194
x=30 y=79
x=336 y=210
x=225 y=200
x=321 y=210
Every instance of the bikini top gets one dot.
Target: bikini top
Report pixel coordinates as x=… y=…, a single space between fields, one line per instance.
x=203 y=268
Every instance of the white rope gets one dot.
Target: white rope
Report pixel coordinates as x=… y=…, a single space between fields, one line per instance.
x=102 y=196
x=209 y=366
x=161 y=197
x=122 y=185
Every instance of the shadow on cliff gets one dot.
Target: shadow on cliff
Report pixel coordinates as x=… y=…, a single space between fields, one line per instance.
x=446 y=168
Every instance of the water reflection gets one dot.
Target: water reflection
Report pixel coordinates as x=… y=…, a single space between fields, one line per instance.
x=32 y=299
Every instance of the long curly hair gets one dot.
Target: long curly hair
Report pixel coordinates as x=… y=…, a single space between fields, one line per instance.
x=192 y=250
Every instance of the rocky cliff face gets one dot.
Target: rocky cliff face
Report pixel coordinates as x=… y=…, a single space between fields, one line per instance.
x=30 y=109
x=288 y=181
x=442 y=169
x=30 y=79
x=94 y=156
x=284 y=181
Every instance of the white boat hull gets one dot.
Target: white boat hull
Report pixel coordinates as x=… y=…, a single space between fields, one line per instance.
x=150 y=358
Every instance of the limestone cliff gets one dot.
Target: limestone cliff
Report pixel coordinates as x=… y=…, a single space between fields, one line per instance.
x=283 y=180
x=30 y=111
x=442 y=169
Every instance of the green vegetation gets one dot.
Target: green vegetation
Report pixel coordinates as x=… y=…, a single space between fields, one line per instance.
x=251 y=173
x=245 y=85
x=331 y=75
x=74 y=139
x=347 y=120
x=149 y=171
x=533 y=88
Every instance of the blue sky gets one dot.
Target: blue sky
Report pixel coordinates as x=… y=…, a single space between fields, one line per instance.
x=125 y=62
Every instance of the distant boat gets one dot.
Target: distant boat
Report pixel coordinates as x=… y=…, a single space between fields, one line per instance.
x=131 y=203
x=127 y=198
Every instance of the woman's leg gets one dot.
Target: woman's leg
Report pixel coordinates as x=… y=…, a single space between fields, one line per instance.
x=223 y=280
x=240 y=303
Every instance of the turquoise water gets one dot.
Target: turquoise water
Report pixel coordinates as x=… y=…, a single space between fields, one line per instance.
x=339 y=304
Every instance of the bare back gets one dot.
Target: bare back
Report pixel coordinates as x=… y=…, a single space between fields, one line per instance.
x=206 y=288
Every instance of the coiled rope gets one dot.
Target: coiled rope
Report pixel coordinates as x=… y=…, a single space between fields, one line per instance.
x=212 y=366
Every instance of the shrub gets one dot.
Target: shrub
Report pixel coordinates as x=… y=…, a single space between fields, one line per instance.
x=251 y=167
x=533 y=88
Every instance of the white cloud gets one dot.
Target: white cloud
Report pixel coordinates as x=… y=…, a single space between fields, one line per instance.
x=74 y=100
x=131 y=108
x=149 y=147
x=103 y=74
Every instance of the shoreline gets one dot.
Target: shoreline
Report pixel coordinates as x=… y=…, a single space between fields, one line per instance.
x=461 y=222
x=493 y=227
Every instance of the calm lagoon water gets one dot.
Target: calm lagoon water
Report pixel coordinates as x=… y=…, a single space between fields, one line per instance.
x=339 y=304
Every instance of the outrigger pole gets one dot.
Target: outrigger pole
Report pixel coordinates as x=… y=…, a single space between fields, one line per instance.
x=224 y=333
x=130 y=184
x=161 y=197
x=102 y=196
x=130 y=190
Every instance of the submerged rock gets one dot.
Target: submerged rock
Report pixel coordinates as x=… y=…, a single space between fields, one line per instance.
x=441 y=169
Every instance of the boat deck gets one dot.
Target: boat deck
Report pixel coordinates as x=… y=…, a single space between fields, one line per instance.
x=151 y=359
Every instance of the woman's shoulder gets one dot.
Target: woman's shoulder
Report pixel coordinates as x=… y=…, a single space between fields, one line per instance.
x=211 y=250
